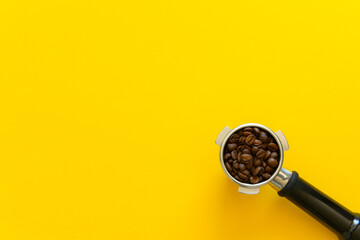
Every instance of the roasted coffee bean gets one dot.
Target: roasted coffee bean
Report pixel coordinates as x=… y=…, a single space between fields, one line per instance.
x=273 y=147
x=256 y=131
x=249 y=140
x=232 y=146
x=246 y=151
x=234 y=140
x=261 y=153
x=228 y=167
x=242 y=167
x=246 y=172
x=234 y=154
x=235 y=171
x=242 y=140
x=267 y=155
x=239 y=157
x=264 y=146
x=247 y=147
x=242 y=147
x=272 y=162
x=230 y=160
x=266 y=175
x=248 y=129
x=254 y=179
x=227 y=155
x=235 y=165
x=254 y=150
x=269 y=169
x=245 y=158
x=236 y=135
x=232 y=174
x=249 y=165
x=257 y=142
x=257 y=162
x=274 y=155
x=264 y=164
x=241 y=175
x=258 y=171
x=260 y=179
x=263 y=137
x=237 y=178
x=271 y=140
x=247 y=134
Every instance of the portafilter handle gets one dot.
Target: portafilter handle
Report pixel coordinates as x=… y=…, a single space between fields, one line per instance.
x=333 y=215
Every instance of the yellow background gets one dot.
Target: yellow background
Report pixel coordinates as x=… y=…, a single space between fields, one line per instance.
x=110 y=111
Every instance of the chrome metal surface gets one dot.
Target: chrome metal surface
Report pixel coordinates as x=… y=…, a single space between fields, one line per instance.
x=281 y=179
x=354 y=225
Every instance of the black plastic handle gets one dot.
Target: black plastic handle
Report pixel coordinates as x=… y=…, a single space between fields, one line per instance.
x=333 y=215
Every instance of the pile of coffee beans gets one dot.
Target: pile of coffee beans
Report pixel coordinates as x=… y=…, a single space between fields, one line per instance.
x=251 y=155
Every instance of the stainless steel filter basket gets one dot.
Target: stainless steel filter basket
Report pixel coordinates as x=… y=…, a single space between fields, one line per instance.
x=280 y=140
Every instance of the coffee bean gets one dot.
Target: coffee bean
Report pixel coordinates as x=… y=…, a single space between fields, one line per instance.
x=263 y=137
x=232 y=174
x=266 y=175
x=267 y=155
x=249 y=165
x=254 y=179
x=237 y=178
x=272 y=162
x=249 y=140
x=242 y=147
x=264 y=164
x=242 y=167
x=228 y=167
x=246 y=151
x=230 y=160
x=242 y=140
x=241 y=175
x=245 y=158
x=227 y=155
x=269 y=169
x=235 y=165
x=234 y=140
x=246 y=172
x=254 y=150
x=274 y=155
x=236 y=135
x=264 y=146
x=234 y=154
x=257 y=142
x=258 y=171
x=232 y=146
x=248 y=129
x=247 y=147
x=257 y=162
x=273 y=147
x=271 y=140
x=247 y=134
x=256 y=131
x=261 y=153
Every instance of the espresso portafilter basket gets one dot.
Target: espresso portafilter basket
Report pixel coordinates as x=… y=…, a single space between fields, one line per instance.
x=333 y=215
